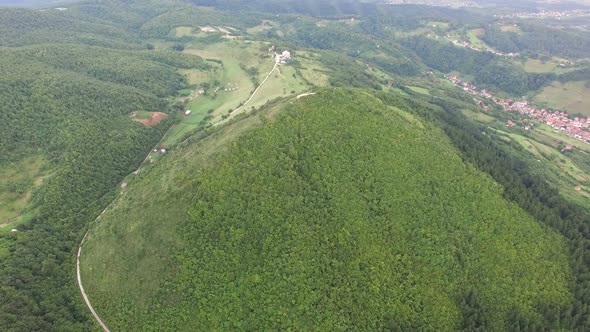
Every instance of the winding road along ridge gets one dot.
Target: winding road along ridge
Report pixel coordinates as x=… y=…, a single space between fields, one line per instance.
x=100 y=322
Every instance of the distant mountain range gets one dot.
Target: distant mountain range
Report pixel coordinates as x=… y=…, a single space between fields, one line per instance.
x=33 y=3
x=530 y=4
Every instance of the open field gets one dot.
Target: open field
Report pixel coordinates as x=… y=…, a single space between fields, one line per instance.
x=538 y=66
x=148 y=119
x=235 y=84
x=203 y=31
x=264 y=26
x=570 y=96
x=311 y=70
x=282 y=83
x=510 y=28
x=186 y=124
x=473 y=37
x=438 y=25
x=17 y=184
x=418 y=89
x=478 y=116
x=142 y=115
x=229 y=75
x=196 y=76
x=184 y=31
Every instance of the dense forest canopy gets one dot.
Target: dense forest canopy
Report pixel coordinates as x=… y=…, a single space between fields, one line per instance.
x=343 y=213
x=69 y=102
x=536 y=39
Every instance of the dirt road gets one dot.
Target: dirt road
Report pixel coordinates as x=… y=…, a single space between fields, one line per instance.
x=96 y=317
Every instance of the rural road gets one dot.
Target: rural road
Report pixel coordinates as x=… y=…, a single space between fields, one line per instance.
x=305 y=94
x=253 y=93
x=96 y=317
x=78 y=274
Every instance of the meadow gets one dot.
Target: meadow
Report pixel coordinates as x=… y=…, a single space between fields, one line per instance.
x=228 y=62
x=570 y=96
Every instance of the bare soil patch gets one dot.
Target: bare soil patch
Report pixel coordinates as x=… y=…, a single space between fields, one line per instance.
x=152 y=121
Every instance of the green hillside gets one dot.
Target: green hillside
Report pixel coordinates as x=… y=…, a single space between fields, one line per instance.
x=66 y=140
x=318 y=190
x=334 y=212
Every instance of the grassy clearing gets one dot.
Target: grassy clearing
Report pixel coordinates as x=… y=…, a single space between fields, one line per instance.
x=473 y=37
x=239 y=85
x=259 y=29
x=183 y=31
x=230 y=74
x=570 y=96
x=478 y=116
x=538 y=66
x=510 y=28
x=196 y=76
x=17 y=184
x=186 y=124
x=311 y=70
x=419 y=89
x=282 y=83
x=438 y=25
x=143 y=115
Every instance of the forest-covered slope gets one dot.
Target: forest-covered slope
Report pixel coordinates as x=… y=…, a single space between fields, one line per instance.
x=67 y=106
x=339 y=213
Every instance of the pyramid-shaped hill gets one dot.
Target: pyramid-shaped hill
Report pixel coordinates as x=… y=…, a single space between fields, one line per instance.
x=330 y=213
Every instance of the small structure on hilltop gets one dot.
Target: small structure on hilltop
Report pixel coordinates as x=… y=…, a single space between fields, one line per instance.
x=283 y=57
x=124 y=185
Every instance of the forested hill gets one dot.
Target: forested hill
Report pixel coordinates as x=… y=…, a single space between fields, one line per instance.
x=363 y=207
x=69 y=83
x=342 y=213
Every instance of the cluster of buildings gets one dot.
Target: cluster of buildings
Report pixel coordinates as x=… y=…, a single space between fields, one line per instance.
x=576 y=127
x=558 y=14
x=466 y=44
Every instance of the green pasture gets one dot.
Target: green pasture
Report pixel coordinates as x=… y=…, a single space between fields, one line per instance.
x=572 y=96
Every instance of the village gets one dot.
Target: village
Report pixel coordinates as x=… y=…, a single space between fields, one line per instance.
x=466 y=44
x=576 y=127
x=558 y=14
